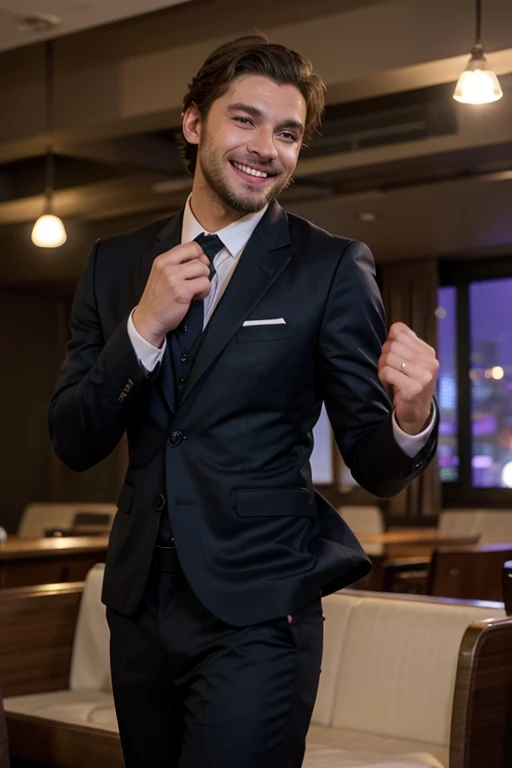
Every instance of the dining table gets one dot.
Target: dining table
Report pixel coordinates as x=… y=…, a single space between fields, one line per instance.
x=49 y=560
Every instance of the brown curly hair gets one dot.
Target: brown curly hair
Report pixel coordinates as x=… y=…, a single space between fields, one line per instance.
x=252 y=55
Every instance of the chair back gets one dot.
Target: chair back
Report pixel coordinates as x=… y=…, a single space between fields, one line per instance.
x=365 y=519
x=38 y=518
x=493 y=526
x=469 y=573
x=90 y=665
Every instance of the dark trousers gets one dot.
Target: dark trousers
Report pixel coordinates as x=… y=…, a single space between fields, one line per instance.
x=193 y=692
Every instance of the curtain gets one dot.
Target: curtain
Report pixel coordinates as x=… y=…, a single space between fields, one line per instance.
x=410 y=294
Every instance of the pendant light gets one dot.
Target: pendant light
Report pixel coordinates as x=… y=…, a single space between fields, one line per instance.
x=478 y=84
x=49 y=231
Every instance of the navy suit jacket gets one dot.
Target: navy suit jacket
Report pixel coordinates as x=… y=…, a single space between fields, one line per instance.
x=231 y=455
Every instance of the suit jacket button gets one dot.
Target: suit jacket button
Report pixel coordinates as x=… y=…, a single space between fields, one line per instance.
x=175 y=438
x=160 y=502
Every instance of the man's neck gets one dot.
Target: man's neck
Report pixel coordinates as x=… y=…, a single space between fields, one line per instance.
x=210 y=211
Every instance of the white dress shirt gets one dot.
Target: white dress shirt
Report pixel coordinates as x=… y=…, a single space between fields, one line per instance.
x=235 y=237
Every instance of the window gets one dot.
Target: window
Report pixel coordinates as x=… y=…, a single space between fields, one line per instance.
x=475 y=381
x=490 y=321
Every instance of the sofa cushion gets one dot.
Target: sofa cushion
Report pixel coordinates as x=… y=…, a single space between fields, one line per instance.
x=396 y=675
x=340 y=758
x=336 y=610
x=380 y=747
x=81 y=707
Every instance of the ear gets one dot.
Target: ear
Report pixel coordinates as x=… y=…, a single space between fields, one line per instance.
x=191 y=124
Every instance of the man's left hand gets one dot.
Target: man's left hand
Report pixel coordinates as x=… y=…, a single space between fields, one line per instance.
x=410 y=366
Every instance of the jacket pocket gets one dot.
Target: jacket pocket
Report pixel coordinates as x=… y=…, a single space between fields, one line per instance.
x=266 y=332
x=275 y=502
x=124 y=502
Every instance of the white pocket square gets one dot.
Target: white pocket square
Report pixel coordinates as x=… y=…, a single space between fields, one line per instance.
x=272 y=321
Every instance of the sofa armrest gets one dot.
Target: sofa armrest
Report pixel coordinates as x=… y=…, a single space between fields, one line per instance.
x=481 y=735
x=38 y=626
x=63 y=745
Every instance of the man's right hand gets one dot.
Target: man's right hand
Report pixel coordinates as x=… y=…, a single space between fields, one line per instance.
x=177 y=277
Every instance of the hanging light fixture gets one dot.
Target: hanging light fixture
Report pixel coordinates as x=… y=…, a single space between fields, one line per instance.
x=49 y=231
x=478 y=84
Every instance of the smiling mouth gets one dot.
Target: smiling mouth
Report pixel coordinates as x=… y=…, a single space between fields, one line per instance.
x=252 y=171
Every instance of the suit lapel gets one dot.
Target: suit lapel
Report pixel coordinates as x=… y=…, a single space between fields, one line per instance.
x=264 y=258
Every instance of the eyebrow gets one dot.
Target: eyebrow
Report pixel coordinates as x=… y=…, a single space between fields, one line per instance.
x=255 y=112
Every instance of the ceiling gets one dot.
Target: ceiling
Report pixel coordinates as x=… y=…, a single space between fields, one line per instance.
x=74 y=15
x=435 y=176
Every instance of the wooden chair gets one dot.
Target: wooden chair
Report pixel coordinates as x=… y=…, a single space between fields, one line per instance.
x=507 y=587
x=470 y=573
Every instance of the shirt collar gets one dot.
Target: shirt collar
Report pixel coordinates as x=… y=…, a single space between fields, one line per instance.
x=235 y=236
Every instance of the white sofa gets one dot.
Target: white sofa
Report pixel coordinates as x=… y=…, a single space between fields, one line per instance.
x=386 y=699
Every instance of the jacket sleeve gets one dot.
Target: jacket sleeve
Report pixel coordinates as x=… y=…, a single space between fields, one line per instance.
x=98 y=382
x=352 y=334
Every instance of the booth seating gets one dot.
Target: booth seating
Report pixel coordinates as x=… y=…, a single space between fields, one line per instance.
x=38 y=519
x=491 y=525
x=369 y=519
x=406 y=682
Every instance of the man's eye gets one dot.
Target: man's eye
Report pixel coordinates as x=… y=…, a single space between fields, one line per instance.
x=243 y=120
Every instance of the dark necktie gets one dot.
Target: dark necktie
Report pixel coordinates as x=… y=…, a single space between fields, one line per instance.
x=180 y=343
x=191 y=327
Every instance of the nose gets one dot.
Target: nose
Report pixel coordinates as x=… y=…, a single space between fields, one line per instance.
x=262 y=144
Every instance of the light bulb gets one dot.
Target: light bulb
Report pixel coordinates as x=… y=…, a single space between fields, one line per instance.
x=49 y=232
x=477 y=84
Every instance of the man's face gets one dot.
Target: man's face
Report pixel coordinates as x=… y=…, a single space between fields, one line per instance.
x=249 y=144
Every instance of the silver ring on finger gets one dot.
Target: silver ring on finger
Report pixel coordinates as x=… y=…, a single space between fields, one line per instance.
x=403 y=366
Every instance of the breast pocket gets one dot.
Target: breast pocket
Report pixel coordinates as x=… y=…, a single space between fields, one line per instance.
x=280 y=332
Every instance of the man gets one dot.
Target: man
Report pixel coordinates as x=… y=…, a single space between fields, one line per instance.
x=215 y=355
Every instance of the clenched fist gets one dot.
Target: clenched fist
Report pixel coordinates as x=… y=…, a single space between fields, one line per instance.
x=177 y=277
x=410 y=366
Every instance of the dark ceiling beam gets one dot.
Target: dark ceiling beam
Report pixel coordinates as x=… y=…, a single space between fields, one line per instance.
x=122 y=80
x=149 y=153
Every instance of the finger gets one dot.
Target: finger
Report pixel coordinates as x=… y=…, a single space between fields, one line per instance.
x=410 y=347
x=400 y=329
x=188 y=270
x=183 y=253
x=408 y=388
x=407 y=353
x=399 y=332
x=421 y=373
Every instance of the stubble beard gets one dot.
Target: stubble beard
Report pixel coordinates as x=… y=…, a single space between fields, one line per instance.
x=212 y=170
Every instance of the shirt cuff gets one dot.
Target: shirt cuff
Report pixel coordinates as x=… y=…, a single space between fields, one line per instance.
x=148 y=355
x=412 y=444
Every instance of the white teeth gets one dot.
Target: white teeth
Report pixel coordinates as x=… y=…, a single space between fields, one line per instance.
x=250 y=171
